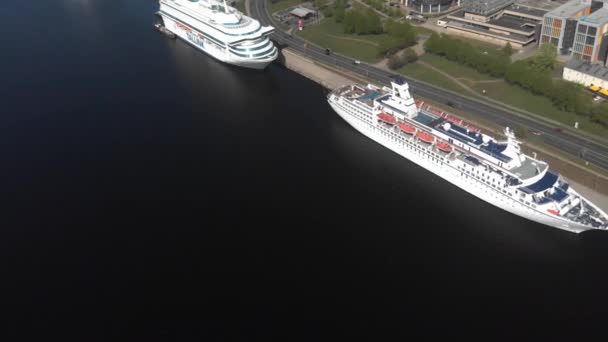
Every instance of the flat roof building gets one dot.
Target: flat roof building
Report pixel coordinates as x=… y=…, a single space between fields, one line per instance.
x=585 y=73
x=302 y=12
x=497 y=21
x=578 y=28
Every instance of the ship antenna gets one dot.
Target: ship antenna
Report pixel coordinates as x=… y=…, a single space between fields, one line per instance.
x=225 y=7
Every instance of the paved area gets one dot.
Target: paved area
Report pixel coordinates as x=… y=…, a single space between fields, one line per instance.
x=307 y=68
x=601 y=200
x=546 y=5
x=564 y=138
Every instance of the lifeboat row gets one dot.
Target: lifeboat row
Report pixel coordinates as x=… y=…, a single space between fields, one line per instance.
x=387 y=118
x=422 y=135
x=407 y=128
x=425 y=137
x=444 y=147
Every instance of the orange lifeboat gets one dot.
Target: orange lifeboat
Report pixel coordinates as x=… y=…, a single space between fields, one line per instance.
x=387 y=118
x=407 y=128
x=552 y=211
x=442 y=146
x=425 y=137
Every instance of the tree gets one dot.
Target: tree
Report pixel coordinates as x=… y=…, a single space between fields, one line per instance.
x=433 y=44
x=373 y=22
x=395 y=62
x=339 y=14
x=328 y=12
x=409 y=56
x=599 y=114
x=545 y=56
x=320 y=3
x=507 y=50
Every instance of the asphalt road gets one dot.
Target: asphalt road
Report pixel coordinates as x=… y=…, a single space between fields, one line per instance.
x=591 y=151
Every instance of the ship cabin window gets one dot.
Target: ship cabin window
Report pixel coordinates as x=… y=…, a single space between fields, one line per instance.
x=527 y=203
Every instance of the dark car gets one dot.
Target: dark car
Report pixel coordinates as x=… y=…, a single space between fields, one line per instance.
x=327 y=51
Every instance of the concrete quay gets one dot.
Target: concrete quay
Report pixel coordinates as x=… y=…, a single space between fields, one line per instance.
x=331 y=78
x=306 y=67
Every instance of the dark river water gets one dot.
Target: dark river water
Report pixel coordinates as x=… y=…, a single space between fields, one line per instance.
x=152 y=193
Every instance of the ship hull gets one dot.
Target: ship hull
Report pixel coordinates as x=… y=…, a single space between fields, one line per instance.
x=212 y=49
x=454 y=176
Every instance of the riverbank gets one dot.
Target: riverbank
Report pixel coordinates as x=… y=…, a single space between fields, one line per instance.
x=312 y=70
x=589 y=183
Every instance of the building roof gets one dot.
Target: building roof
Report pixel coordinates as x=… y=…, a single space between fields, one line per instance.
x=486 y=7
x=301 y=11
x=598 y=17
x=570 y=8
x=595 y=70
x=531 y=11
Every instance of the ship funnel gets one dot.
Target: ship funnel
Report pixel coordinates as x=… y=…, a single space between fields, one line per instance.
x=400 y=88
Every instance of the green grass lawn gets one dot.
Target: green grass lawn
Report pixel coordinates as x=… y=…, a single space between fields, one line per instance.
x=421 y=72
x=540 y=105
x=282 y=4
x=423 y=31
x=329 y=34
x=358 y=5
x=455 y=69
x=500 y=91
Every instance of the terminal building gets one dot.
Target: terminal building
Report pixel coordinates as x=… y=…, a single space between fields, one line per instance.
x=430 y=6
x=497 y=21
x=586 y=74
x=578 y=28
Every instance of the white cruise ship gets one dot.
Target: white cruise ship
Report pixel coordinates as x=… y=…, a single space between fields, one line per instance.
x=497 y=172
x=221 y=31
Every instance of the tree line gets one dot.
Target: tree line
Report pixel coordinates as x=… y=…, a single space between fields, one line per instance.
x=367 y=21
x=533 y=74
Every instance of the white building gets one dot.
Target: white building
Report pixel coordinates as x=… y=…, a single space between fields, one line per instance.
x=584 y=73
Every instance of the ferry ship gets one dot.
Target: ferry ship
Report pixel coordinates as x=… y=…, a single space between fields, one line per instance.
x=220 y=31
x=497 y=172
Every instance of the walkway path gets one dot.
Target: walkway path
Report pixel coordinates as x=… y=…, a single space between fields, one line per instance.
x=368 y=6
x=452 y=78
x=353 y=39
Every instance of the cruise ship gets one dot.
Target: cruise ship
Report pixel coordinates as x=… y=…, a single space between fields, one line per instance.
x=221 y=31
x=497 y=172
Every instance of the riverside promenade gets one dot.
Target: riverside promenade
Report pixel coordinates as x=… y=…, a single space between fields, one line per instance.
x=306 y=67
x=329 y=77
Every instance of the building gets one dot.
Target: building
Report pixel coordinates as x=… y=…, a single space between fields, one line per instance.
x=585 y=73
x=302 y=13
x=497 y=21
x=430 y=6
x=578 y=28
